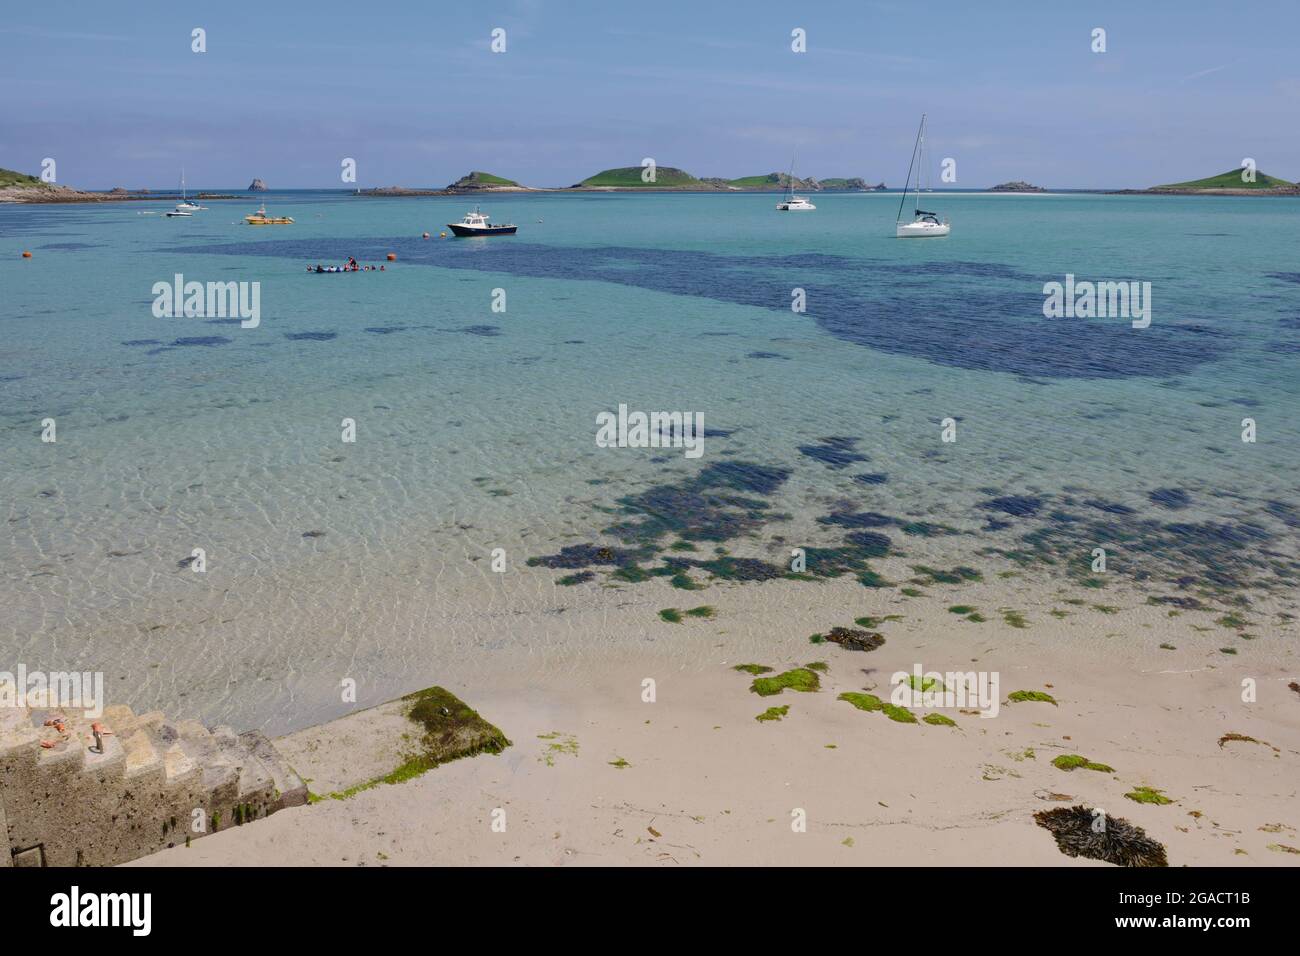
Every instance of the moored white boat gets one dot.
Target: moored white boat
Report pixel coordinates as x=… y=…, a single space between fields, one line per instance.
x=923 y=224
x=793 y=203
x=476 y=224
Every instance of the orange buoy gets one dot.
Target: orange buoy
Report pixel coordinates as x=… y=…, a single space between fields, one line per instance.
x=26 y=254
x=426 y=235
x=392 y=257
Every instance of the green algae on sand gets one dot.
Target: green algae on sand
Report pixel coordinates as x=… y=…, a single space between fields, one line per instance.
x=1075 y=761
x=557 y=744
x=773 y=713
x=799 y=678
x=754 y=669
x=871 y=703
x=867 y=702
x=1021 y=696
x=939 y=720
x=1148 y=795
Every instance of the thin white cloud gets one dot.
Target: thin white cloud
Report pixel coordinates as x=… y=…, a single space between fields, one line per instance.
x=1201 y=73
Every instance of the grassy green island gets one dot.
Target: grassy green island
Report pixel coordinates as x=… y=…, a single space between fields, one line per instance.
x=1231 y=180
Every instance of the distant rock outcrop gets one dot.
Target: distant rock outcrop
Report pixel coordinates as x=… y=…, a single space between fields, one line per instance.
x=1017 y=186
x=401 y=191
x=479 y=181
x=257 y=186
x=855 y=182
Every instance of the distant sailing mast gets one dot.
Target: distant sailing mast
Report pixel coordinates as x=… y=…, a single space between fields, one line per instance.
x=922 y=224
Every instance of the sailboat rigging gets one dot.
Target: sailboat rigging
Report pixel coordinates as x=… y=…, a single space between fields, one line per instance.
x=923 y=223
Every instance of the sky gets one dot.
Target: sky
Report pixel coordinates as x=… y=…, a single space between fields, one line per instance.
x=413 y=92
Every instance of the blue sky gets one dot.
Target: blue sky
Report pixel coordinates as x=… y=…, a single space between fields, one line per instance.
x=412 y=91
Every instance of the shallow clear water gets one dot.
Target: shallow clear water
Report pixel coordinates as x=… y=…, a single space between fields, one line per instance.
x=475 y=428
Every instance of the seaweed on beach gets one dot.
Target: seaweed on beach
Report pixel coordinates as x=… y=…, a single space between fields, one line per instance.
x=852 y=639
x=1115 y=840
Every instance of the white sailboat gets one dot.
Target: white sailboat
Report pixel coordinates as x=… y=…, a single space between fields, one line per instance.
x=923 y=224
x=793 y=203
x=185 y=207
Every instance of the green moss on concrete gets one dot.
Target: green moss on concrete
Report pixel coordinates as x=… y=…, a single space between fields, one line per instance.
x=445 y=729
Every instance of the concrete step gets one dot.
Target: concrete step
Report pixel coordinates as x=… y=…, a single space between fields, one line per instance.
x=109 y=764
x=191 y=729
x=290 y=791
x=180 y=768
x=142 y=756
x=119 y=718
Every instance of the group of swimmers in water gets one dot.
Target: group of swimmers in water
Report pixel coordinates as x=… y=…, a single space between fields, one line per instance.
x=350 y=266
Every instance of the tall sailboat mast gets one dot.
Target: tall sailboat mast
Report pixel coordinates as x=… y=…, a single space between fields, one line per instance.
x=920 y=133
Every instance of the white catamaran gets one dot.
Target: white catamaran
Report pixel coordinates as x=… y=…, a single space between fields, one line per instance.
x=793 y=203
x=923 y=224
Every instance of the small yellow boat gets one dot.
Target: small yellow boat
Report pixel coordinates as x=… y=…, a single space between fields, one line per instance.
x=260 y=218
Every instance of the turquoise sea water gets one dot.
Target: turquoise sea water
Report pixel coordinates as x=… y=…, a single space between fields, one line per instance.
x=475 y=428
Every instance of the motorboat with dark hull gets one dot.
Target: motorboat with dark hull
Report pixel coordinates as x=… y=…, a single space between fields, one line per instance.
x=476 y=224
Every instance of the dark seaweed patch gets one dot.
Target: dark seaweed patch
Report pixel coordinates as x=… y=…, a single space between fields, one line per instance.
x=872 y=478
x=310 y=336
x=878 y=304
x=385 y=329
x=1284 y=513
x=142 y=342
x=834 y=452
x=585 y=555
x=1019 y=506
x=485 y=330
x=1110 y=507
x=202 y=340
x=1118 y=842
x=744 y=476
x=858 y=519
x=871 y=544
x=1173 y=498
x=766 y=355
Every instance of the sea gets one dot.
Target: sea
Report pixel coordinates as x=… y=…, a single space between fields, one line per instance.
x=377 y=480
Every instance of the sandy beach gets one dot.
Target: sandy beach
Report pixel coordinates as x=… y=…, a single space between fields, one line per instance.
x=598 y=776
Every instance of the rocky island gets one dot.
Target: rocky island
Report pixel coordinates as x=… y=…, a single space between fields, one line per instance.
x=671 y=178
x=20 y=188
x=1017 y=186
x=257 y=186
